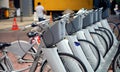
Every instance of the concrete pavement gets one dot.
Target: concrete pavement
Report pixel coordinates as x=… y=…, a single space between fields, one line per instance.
x=6 y=24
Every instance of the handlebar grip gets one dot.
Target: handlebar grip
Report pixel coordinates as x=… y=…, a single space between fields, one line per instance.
x=33 y=25
x=27 y=26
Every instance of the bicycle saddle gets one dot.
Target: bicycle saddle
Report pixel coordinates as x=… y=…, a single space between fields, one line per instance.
x=31 y=34
x=4 y=44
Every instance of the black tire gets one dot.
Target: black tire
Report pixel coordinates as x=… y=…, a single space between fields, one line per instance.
x=108 y=37
x=116 y=62
x=66 y=55
x=109 y=34
x=104 y=41
x=97 y=51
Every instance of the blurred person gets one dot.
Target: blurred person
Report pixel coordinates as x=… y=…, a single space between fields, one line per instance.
x=113 y=3
x=115 y=6
x=105 y=4
x=118 y=3
x=40 y=11
x=96 y=4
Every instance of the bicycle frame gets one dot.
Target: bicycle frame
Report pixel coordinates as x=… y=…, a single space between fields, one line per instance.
x=5 y=61
x=50 y=54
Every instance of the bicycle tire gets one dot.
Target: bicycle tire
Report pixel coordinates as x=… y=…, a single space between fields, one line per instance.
x=104 y=41
x=97 y=51
x=116 y=62
x=82 y=66
x=110 y=35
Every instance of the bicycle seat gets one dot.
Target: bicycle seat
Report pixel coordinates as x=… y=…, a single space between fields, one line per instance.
x=4 y=44
x=31 y=34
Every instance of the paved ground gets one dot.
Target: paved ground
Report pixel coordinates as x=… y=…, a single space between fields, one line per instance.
x=114 y=18
x=8 y=23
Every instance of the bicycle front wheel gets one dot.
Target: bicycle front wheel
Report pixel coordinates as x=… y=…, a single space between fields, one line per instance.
x=46 y=67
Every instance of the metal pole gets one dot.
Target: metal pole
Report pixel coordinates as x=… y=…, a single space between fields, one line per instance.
x=21 y=13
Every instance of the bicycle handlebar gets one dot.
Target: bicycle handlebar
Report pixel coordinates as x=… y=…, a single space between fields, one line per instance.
x=43 y=24
x=4 y=44
x=34 y=24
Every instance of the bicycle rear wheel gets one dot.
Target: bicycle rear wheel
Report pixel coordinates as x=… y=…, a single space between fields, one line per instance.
x=46 y=67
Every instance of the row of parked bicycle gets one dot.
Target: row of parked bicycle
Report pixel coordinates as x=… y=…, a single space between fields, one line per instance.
x=79 y=42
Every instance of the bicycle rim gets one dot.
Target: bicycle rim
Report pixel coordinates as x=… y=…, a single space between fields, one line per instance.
x=46 y=67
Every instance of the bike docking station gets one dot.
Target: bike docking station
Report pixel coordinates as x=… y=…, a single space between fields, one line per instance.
x=56 y=36
x=86 y=36
x=89 y=40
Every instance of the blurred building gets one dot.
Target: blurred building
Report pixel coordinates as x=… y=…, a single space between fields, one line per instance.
x=27 y=7
x=16 y=7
